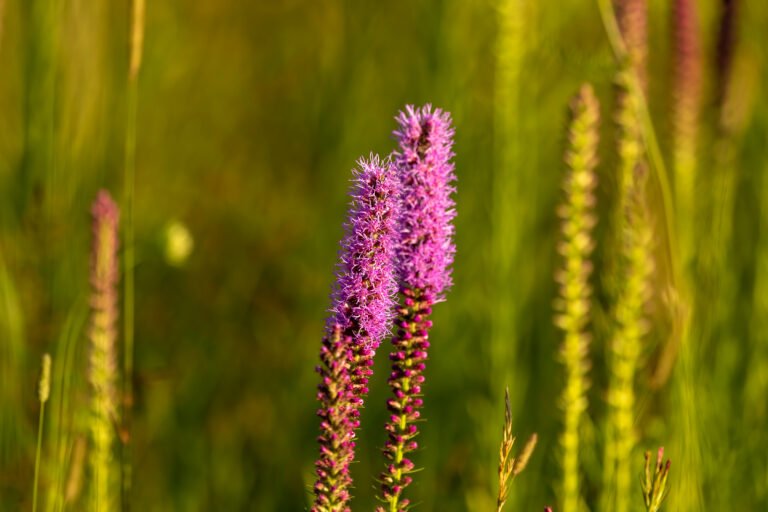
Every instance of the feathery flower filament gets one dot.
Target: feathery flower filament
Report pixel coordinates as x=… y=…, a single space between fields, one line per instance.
x=425 y=252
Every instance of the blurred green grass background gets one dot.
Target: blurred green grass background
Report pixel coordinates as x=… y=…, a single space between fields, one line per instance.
x=250 y=117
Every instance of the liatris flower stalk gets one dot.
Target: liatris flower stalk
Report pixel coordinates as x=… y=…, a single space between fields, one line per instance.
x=573 y=305
x=509 y=466
x=103 y=356
x=686 y=107
x=655 y=485
x=361 y=313
x=424 y=256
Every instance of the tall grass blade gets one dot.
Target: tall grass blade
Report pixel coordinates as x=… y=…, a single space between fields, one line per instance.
x=135 y=57
x=67 y=380
x=44 y=392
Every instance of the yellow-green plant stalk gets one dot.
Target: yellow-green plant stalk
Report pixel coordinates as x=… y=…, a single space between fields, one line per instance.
x=573 y=304
x=655 y=483
x=509 y=466
x=687 y=88
x=134 y=66
x=103 y=353
x=43 y=393
x=632 y=292
x=633 y=23
x=650 y=140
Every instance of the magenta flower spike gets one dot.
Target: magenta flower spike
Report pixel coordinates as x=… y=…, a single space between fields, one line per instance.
x=424 y=257
x=361 y=312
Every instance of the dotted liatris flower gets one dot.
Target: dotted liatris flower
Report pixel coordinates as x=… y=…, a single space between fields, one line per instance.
x=362 y=306
x=426 y=249
x=655 y=484
x=573 y=304
x=103 y=352
x=424 y=256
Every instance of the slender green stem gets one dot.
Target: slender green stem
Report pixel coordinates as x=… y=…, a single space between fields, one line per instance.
x=136 y=47
x=44 y=392
x=37 y=455
x=128 y=290
x=60 y=429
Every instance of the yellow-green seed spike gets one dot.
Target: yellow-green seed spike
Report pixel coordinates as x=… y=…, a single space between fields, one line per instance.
x=655 y=485
x=573 y=304
x=632 y=292
x=43 y=393
x=510 y=466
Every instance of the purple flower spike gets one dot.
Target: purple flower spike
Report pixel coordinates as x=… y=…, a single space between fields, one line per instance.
x=424 y=257
x=362 y=309
x=426 y=249
x=363 y=297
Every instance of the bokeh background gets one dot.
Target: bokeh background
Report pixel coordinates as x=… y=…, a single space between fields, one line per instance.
x=251 y=116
